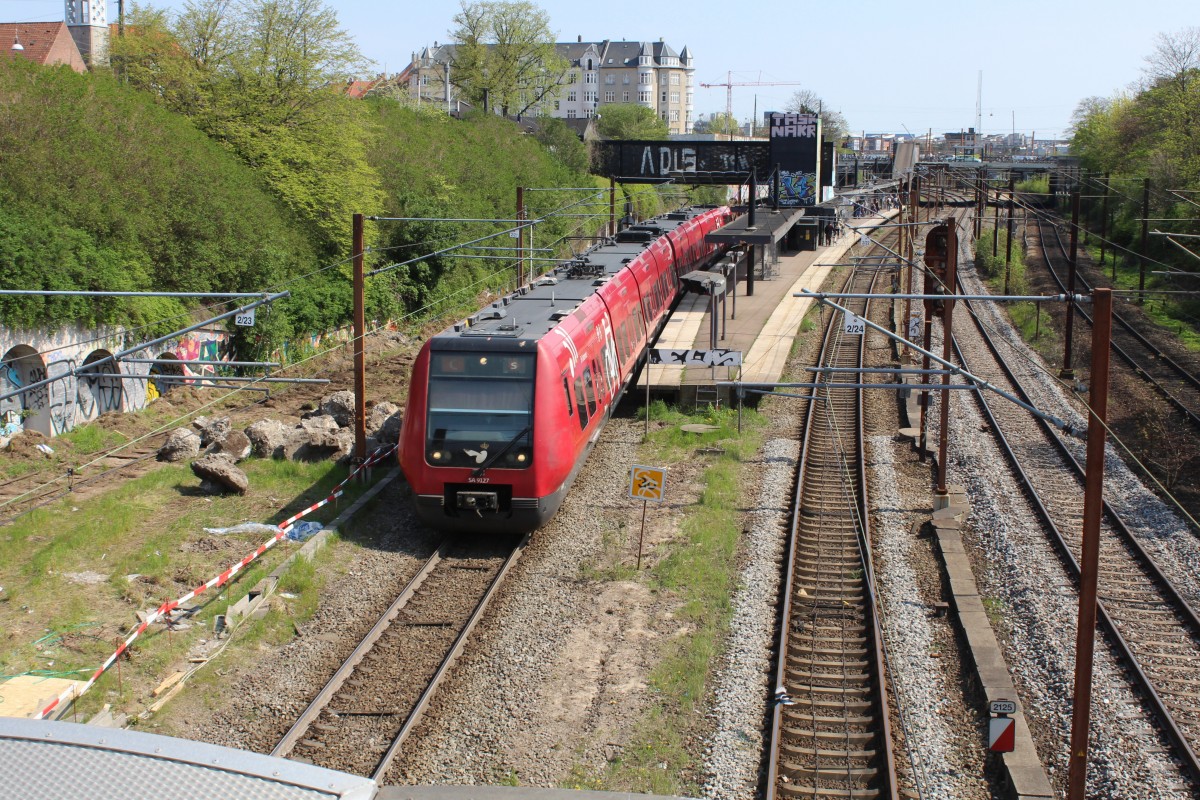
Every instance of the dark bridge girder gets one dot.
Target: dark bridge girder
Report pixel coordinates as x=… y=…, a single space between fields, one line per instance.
x=705 y=162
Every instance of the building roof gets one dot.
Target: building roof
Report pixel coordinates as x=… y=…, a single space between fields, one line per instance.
x=358 y=89
x=46 y=43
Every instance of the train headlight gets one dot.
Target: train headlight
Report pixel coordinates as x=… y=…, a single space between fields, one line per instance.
x=483 y=361
x=520 y=458
x=436 y=455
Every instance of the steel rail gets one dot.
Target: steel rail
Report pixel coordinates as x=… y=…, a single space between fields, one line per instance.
x=1180 y=371
x=335 y=682
x=887 y=774
x=1184 y=749
x=455 y=651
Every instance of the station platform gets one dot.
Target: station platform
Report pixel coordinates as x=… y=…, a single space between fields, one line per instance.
x=761 y=326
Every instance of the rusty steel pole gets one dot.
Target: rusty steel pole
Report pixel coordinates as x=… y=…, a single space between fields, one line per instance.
x=1104 y=228
x=914 y=205
x=901 y=216
x=1145 y=240
x=980 y=209
x=947 y=350
x=1066 y=371
x=520 y=236
x=360 y=353
x=996 y=226
x=612 y=206
x=923 y=449
x=1089 y=562
x=1012 y=185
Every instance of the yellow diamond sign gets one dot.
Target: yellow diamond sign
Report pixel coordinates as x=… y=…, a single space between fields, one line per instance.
x=646 y=483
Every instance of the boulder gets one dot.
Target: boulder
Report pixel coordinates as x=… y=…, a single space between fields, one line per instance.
x=384 y=421
x=321 y=445
x=314 y=426
x=219 y=468
x=212 y=429
x=235 y=444
x=340 y=406
x=181 y=445
x=269 y=438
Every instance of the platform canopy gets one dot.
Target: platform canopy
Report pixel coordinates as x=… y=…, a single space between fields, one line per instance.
x=769 y=227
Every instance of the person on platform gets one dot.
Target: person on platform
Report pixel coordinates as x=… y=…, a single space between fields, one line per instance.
x=828 y=233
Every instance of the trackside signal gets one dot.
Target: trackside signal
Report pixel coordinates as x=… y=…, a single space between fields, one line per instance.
x=1002 y=729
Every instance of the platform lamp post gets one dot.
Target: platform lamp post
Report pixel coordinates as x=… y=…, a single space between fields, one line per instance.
x=1093 y=506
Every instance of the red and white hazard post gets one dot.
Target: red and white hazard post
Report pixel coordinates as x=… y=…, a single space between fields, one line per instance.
x=1002 y=729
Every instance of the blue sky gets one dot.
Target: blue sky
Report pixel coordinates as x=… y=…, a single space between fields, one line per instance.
x=886 y=66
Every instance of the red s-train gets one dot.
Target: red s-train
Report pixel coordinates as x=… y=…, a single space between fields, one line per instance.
x=504 y=407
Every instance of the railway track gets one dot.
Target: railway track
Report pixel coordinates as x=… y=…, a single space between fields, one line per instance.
x=1170 y=379
x=32 y=490
x=24 y=493
x=359 y=720
x=830 y=733
x=1151 y=625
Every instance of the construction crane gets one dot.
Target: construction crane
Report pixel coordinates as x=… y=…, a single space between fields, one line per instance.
x=729 y=84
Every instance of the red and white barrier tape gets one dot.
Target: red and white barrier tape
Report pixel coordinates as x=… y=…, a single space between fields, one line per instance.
x=220 y=580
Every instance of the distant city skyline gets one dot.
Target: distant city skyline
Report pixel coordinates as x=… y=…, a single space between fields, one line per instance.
x=1038 y=59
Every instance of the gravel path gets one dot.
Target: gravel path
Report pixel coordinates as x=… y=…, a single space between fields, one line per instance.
x=732 y=761
x=506 y=716
x=940 y=734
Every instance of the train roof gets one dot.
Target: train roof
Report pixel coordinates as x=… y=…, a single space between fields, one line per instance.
x=532 y=311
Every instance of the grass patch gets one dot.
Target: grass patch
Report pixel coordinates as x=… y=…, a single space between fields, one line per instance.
x=1039 y=184
x=151 y=527
x=699 y=574
x=88 y=439
x=1175 y=316
x=994 y=608
x=993 y=268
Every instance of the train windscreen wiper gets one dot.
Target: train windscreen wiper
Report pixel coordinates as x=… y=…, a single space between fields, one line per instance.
x=478 y=473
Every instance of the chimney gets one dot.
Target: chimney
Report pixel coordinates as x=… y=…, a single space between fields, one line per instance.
x=580 y=39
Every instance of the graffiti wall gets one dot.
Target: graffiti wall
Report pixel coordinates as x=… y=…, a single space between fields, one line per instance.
x=796 y=151
x=60 y=395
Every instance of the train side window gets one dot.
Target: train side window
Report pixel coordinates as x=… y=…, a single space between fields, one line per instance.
x=601 y=381
x=589 y=390
x=581 y=402
x=567 y=393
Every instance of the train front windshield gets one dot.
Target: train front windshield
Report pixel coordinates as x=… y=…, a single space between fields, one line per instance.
x=480 y=410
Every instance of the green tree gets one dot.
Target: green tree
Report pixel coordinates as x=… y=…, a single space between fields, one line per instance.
x=720 y=124
x=504 y=56
x=103 y=189
x=1176 y=58
x=562 y=143
x=834 y=127
x=149 y=57
x=630 y=121
x=260 y=76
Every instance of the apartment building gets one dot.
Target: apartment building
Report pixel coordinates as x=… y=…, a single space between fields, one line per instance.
x=651 y=74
